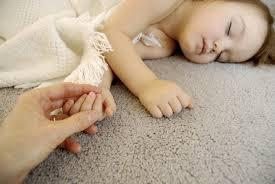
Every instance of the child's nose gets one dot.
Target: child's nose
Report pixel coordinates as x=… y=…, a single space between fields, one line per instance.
x=221 y=45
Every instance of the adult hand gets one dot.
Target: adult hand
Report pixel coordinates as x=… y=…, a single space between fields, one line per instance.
x=28 y=135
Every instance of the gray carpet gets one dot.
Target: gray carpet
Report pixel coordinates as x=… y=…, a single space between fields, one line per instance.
x=229 y=137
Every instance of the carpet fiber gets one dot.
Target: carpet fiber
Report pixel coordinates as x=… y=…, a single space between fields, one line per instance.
x=229 y=136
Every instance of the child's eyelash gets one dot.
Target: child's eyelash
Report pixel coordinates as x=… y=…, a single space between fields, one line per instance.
x=228 y=32
x=218 y=57
x=229 y=28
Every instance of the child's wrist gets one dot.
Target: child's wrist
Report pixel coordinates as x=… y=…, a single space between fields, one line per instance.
x=105 y=85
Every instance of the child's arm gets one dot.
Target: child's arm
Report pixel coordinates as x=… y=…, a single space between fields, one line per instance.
x=128 y=19
x=125 y=21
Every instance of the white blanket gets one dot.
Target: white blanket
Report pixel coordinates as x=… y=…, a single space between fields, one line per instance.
x=49 y=40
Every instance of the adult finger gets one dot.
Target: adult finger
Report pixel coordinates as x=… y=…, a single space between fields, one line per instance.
x=77 y=105
x=67 y=106
x=67 y=90
x=76 y=123
x=71 y=145
x=92 y=130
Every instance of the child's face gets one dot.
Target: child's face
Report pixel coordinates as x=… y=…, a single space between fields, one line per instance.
x=208 y=25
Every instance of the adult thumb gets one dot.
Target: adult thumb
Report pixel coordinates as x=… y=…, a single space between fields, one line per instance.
x=78 y=122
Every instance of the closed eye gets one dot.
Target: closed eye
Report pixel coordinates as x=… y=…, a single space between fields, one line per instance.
x=229 y=28
x=227 y=33
x=218 y=57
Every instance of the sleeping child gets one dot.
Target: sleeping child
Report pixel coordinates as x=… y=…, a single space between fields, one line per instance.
x=206 y=31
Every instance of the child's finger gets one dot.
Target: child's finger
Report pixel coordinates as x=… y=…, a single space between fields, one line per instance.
x=88 y=103
x=108 y=109
x=76 y=107
x=166 y=110
x=67 y=106
x=175 y=105
x=155 y=111
x=110 y=105
x=185 y=100
x=97 y=106
x=92 y=130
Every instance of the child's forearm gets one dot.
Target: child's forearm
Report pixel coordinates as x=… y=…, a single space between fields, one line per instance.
x=126 y=63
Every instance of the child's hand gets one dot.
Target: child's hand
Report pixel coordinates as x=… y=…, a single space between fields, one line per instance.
x=163 y=98
x=103 y=103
